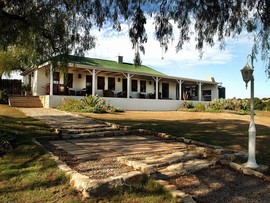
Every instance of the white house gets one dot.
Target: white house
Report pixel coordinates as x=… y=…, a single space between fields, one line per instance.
x=120 y=84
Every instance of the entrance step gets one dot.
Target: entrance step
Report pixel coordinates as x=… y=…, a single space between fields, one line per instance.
x=25 y=101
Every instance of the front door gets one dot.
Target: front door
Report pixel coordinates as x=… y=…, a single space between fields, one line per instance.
x=88 y=84
x=70 y=80
x=124 y=85
x=165 y=90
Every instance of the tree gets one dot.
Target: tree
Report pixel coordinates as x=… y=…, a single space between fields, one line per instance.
x=63 y=26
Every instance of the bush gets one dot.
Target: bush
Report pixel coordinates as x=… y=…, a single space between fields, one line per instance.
x=3 y=97
x=218 y=104
x=71 y=105
x=90 y=104
x=187 y=105
x=115 y=109
x=199 y=107
x=258 y=104
x=267 y=106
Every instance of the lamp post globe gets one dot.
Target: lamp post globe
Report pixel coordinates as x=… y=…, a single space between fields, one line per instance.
x=247 y=74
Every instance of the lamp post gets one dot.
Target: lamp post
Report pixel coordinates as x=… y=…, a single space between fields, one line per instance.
x=247 y=74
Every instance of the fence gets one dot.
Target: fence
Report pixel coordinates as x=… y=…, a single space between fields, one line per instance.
x=12 y=87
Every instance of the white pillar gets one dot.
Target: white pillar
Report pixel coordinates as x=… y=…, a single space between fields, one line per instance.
x=51 y=79
x=180 y=89
x=93 y=82
x=128 y=85
x=217 y=92
x=200 y=91
x=157 y=79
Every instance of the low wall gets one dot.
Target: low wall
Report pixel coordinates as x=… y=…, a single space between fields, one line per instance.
x=131 y=104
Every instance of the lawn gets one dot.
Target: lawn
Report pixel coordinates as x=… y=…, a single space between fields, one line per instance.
x=222 y=129
x=28 y=174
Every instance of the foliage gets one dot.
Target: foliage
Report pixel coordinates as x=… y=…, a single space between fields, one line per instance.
x=89 y=104
x=63 y=26
x=71 y=105
x=267 y=106
x=187 y=105
x=3 y=97
x=199 y=107
x=115 y=109
x=218 y=104
x=15 y=58
x=138 y=34
x=258 y=104
x=238 y=106
x=26 y=87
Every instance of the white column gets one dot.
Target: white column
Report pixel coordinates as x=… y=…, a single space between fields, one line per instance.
x=51 y=79
x=217 y=92
x=157 y=79
x=200 y=90
x=180 y=89
x=93 y=82
x=128 y=85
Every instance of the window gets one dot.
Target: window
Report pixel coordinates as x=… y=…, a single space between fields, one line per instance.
x=142 y=86
x=100 y=83
x=134 y=85
x=111 y=83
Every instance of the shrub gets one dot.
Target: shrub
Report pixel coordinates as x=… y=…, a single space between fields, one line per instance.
x=115 y=109
x=89 y=104
x=218 y=104
x=187 y=105
x=267 y=106
x=258 y=104
x=199 y=107
x=3 y=97
x=71 y=105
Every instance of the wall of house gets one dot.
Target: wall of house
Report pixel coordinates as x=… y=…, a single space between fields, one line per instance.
x=41 y=80
x=131 y=104
x=80 y=83
x=212 y=88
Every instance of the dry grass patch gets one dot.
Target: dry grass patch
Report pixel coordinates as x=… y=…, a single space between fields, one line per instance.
x=223 y=129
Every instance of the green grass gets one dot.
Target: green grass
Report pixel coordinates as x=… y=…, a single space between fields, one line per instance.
x=28 y=174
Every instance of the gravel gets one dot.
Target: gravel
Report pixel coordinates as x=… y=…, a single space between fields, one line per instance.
x=223 y=184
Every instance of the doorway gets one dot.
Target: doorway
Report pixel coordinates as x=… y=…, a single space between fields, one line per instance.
x=165 y=90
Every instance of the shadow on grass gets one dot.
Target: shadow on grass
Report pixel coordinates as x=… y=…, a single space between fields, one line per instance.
x=231 y=133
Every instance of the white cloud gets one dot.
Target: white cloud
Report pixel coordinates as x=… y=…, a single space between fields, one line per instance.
x=110 y=44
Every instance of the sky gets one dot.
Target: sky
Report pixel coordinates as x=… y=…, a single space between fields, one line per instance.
x=223 y=65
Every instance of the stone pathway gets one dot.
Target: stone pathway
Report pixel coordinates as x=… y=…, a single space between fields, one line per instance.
x=109 y=156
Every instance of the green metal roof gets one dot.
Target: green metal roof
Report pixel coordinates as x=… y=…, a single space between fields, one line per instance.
x=107 y=64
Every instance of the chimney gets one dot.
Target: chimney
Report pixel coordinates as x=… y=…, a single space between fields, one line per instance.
x=120 y=59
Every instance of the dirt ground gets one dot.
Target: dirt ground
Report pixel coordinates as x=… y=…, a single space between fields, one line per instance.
x=223 y=185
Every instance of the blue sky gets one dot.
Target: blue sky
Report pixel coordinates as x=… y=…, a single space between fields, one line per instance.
x=223 y=65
